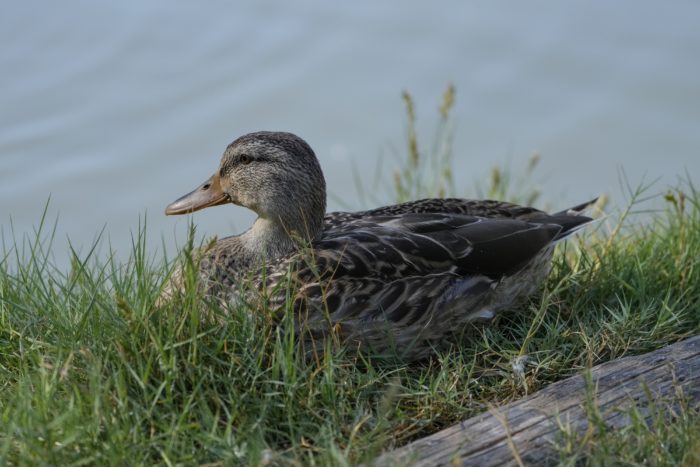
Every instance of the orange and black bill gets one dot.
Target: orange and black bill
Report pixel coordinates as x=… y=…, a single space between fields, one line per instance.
x=206 y=195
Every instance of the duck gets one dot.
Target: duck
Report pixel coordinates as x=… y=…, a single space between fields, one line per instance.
x=397 y=281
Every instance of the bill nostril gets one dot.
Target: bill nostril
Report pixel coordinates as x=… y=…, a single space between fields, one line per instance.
x=206 y=187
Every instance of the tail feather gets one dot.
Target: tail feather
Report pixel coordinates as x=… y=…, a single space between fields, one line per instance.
x=577 y=210
x=567 y=231
x=569 y=220
x=572 y=220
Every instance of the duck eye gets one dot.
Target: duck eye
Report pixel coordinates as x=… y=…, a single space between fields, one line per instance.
x=244 y=159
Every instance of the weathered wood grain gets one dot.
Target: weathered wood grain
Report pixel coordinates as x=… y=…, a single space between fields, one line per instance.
x=523 y=431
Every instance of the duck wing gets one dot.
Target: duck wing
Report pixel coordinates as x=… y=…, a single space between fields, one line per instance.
x=469 y=207
x=405 y=245
x=373 y=261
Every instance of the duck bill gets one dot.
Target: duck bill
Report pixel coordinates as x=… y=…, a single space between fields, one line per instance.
x=205 y=195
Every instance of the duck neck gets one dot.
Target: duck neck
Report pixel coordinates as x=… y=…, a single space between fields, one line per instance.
x=271 y=240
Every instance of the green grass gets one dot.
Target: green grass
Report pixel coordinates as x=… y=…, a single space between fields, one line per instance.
x=92 y=372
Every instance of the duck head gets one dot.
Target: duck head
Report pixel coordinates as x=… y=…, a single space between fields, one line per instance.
x=275 y=174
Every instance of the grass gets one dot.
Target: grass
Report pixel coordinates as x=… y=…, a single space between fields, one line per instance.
x=92 y=372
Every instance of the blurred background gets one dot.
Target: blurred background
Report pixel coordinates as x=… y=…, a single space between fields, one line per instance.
x=114 y=109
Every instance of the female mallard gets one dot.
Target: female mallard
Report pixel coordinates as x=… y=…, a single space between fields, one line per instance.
x=398 y=278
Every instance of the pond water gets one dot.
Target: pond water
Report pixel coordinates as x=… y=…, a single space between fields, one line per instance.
x=114 y=109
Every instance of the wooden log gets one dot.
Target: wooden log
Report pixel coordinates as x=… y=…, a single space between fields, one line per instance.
x=523 y=431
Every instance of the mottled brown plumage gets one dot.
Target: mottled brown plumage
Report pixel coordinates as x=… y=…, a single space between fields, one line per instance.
x=393 y=280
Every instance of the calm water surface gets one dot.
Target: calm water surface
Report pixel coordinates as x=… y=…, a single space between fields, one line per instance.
x=115 y=109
